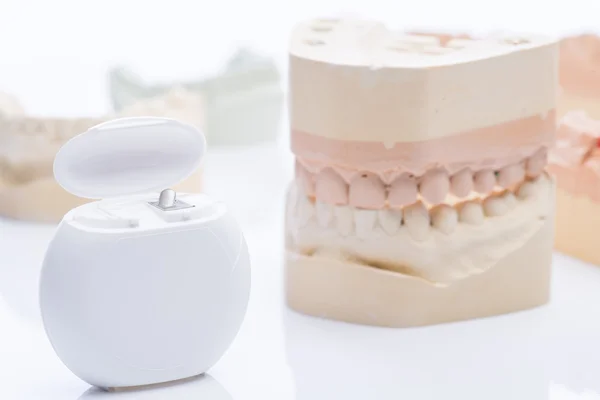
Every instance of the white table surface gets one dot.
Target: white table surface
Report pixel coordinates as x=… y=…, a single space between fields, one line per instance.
x=54 y=57
x=549 y=353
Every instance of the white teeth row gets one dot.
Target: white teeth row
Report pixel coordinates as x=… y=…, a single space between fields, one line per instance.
x=415 y=218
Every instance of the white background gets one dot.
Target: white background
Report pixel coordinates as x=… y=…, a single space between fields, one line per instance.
x=54 y=56
x=54 y=53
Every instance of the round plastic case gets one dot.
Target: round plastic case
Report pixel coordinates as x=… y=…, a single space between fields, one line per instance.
x=145 y=285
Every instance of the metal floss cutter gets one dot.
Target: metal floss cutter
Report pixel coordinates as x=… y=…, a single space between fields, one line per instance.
x=140 y=288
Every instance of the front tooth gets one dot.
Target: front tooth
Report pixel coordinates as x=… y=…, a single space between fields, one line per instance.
x=416 y=220
x=324 y=214
x=471 y=213
x=495 y=206
x=390 y=220
x=444 y=218
x=330 y=187
x=403 y=191
x=344 y=219
x=434 y=186
x=484 y=181
x=367 y=191
x=306 y=210
x=461 y=183
x=364 y=220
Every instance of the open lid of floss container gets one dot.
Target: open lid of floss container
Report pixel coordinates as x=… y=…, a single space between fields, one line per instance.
x=129 y=156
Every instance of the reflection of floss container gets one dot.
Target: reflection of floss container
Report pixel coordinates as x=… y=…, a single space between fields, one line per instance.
x=139 y=288
x=204 y=387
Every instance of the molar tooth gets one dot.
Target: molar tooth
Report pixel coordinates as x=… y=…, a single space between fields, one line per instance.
x=291 y=207
x=444 y=218
x=495 y=206
x=484 y=181
x=403 y=191
x=292 y=198
x=509 y=199
x=511 y=175
x=324 y=214
x=330 y=187
x=416 y=220
x=527 y=190
x=471 y=212
x=305 y=180
x=434 y=186
x=344 y=219
x=537 y=162
x=543 y=184
x=305 y=210
x=364 y=221
x=461 y=183
x=367 y=191
x=390 y=220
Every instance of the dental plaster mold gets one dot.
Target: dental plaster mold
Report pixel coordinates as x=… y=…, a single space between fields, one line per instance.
x=28 y=144
x=580 y=74
x=420 y=194
x=575 y=162
x=241 y=104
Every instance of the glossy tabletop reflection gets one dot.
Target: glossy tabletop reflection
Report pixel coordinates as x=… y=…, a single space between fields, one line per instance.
x=548 y=353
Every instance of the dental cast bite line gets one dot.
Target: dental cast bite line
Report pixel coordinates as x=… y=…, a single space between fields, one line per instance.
x=368 y=190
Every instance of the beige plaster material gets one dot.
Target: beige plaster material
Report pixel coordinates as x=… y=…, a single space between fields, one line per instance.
x=580 y=75
x=357 y=80
x=331 y=288
x=568 y=102
x=442 y=245
x=386 y=227
x=577 y=218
